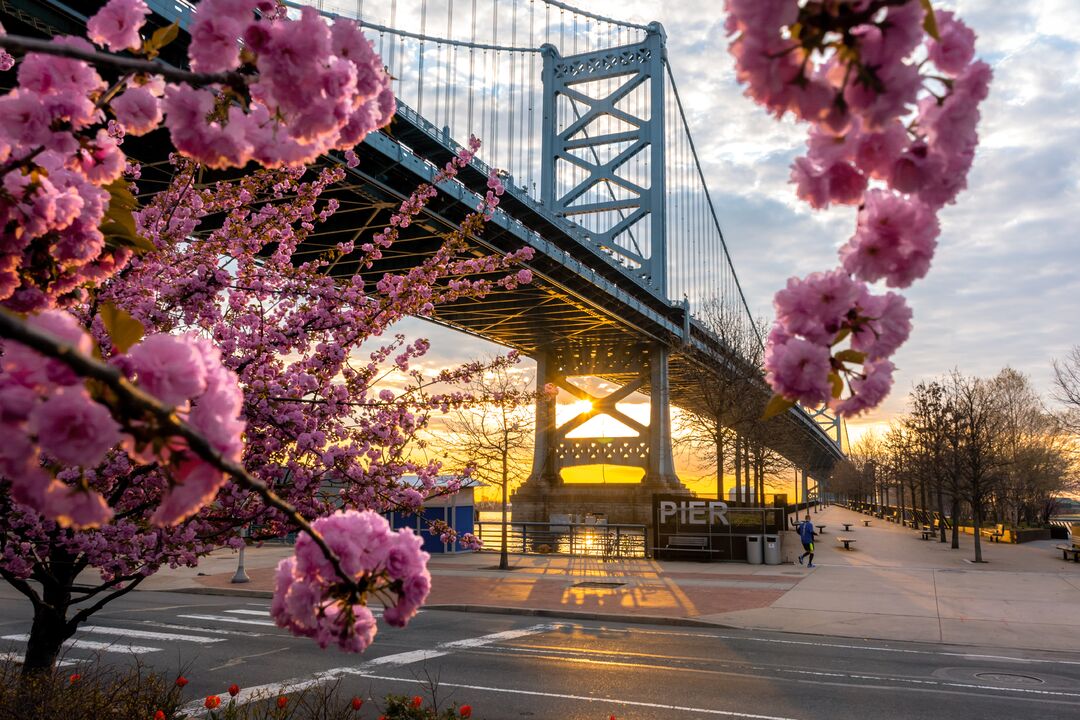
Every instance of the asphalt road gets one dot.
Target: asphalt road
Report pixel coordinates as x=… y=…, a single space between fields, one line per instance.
x=510 y=667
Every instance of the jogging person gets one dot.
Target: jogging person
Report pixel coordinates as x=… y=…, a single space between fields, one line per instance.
x=806 y=534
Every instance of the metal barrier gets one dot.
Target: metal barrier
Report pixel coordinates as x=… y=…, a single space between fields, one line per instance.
x=594 y=540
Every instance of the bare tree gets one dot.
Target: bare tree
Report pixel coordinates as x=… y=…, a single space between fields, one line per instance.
x=494 y=436
x=1067 y=388
x=716 y=430
x=977 y=408
x=926 y=425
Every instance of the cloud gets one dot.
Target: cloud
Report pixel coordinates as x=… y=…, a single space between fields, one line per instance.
x=1004 y=288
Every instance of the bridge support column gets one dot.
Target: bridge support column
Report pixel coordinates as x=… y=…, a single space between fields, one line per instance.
x=661 y=467
x=633 y=367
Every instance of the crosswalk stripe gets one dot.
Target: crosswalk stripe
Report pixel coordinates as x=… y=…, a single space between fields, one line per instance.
x=15 y=657
x=80 y=644
x=229 y=618
x=149 y=635
x=261 y=613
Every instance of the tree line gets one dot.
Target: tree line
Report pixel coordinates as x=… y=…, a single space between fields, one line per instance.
x=978 y=450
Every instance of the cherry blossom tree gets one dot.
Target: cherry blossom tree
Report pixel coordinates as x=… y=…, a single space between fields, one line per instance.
x=180 y=378
x=890 y=90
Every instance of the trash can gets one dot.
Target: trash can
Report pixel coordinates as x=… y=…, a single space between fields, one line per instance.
x=753 y=549
x=772 y=549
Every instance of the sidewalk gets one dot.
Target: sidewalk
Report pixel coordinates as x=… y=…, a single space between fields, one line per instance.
x=892 y=586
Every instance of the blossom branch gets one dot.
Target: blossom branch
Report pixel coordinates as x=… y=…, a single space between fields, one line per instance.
x=235 y=80
x=13 y=328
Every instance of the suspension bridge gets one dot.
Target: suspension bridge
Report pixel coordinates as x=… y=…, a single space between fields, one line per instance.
x=581 y=115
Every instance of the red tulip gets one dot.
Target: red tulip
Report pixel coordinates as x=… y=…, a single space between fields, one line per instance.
x=212 y=702
x=181 y=681
x=357 y=703
x=234 y=689
x=465 y=711
x=417 y=701
x=159 y=715
x=75 y=677
x=282 y=701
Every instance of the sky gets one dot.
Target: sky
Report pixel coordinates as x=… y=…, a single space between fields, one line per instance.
x=1004 y=287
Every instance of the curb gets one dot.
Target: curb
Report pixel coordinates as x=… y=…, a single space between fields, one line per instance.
x=494 y=610
x=234 y=592
x=582 y=615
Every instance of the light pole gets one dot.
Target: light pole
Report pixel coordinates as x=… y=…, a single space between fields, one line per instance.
x=241 y=575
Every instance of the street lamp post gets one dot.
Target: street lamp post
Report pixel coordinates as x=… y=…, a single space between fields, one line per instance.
x=241 y=575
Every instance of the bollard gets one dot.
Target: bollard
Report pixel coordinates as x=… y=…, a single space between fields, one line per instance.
x=241 y=575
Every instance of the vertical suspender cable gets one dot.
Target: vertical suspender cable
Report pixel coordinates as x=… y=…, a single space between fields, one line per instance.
x=472 y=73
x=512 y=163
x=494 y=83
x=394 y=69
x=451 y=116
x=420 y=60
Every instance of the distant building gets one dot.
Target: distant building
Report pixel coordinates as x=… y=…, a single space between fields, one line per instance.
x=456 y=510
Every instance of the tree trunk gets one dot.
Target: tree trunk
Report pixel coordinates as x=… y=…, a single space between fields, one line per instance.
x=719 y=466
x=977 y=521
x=504 y=556
x=49 y=629
x=738 y=468
x=941 y=512
x=955 y=523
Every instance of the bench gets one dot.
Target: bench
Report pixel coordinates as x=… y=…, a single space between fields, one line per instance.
x=1067 y=549
x=688 y=541
x=821 y=529
x=847 y=542
x=997 y=533
x=847 y=527
x=926 y=533
x=866 y=523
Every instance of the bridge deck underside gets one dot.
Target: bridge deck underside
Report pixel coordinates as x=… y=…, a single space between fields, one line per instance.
x=571 y=302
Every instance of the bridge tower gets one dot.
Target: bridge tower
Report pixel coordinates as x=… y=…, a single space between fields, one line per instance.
x=603 y=170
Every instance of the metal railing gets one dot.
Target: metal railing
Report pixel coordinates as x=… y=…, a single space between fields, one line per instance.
x=540 y=538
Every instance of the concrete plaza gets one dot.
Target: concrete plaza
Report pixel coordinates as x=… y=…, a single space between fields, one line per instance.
x=892 y=586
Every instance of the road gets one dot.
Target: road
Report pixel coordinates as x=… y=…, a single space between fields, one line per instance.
x=527 y=667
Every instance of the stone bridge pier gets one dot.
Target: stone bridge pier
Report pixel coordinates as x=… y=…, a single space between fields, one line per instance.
x=633 y=367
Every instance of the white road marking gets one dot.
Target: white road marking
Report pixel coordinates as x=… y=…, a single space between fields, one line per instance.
x=91 y=645
x=757 y=671
x=586 y=698
x=257 y=692
x=966 y=656
x=15 y=657
x=260 y=613
x=229 y=618
x=149 y=635
x=213 y=631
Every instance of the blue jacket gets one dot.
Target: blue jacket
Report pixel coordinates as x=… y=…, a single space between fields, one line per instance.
x=806 y=531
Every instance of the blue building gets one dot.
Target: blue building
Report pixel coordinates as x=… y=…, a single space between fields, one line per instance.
x=457 y=510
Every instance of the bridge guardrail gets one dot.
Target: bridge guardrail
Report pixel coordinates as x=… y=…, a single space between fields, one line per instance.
x=576 y=539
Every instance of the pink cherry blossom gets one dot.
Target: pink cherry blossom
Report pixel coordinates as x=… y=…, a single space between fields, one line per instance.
x=73 y=428
x=816 y=306
x=116 y=26
x=138 y=109
x=952 y=53
x=169 y=367
x=867 y=389
x=798 y=369
x=895 y=240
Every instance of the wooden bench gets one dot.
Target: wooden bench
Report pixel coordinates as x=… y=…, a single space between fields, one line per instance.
x=847 y=527
x=1067 y=549
x=866 y=523
x=926 y=533
x=847 y=542
x=997 y=533
x=688 y=541
x=821 y=529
